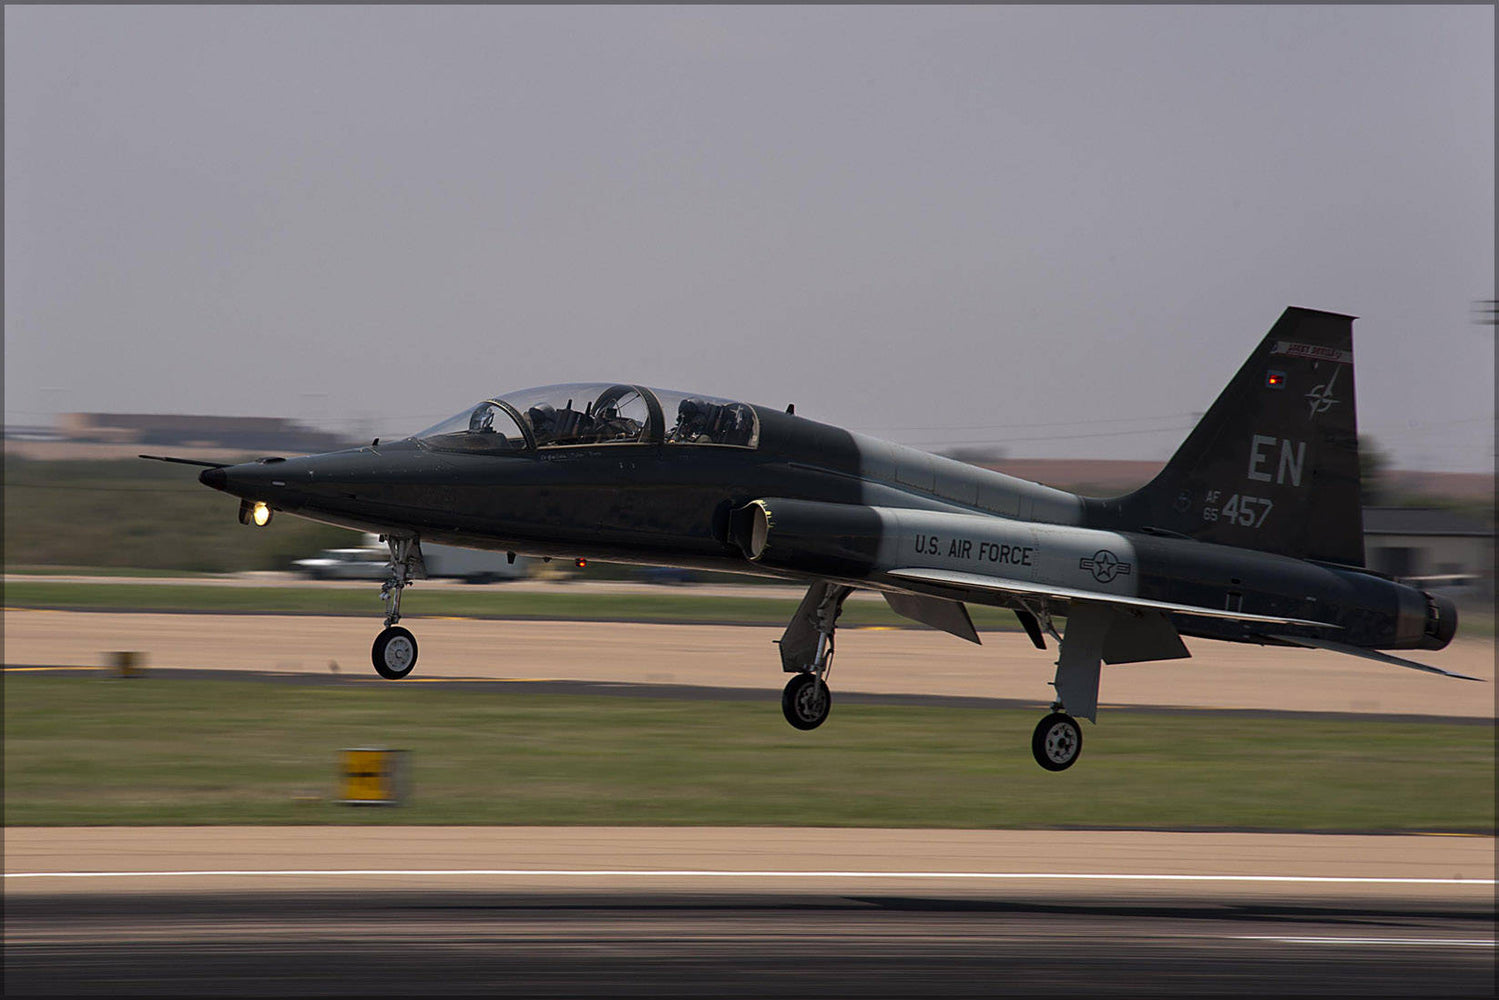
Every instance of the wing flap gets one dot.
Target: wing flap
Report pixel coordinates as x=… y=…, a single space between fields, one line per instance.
x=934 y=612
x=1022 y=588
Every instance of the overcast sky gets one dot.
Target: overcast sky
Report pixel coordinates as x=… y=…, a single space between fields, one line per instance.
x=1059 y=230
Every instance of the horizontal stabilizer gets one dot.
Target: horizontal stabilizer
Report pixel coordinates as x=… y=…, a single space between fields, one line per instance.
x=1000 y=585
x=1369 y=654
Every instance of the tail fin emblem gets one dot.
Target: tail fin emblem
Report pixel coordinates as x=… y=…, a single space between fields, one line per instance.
x=1321 y=397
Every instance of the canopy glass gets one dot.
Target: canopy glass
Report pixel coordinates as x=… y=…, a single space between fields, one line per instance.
x=593 y=414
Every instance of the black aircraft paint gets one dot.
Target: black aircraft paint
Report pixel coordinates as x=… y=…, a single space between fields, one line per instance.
x=1251 y=533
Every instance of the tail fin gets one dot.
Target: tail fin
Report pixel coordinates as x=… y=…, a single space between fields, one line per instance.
x=1273 y=465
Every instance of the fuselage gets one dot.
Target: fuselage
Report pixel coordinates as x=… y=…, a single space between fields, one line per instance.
x=869 y=506
x=650 y=502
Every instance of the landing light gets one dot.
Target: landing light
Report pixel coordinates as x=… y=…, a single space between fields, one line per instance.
x=260 y=514
x=580 y=563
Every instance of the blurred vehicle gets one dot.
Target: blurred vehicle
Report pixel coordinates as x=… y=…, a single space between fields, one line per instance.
x=372 y=562
x=346 y=564
x=472 y=565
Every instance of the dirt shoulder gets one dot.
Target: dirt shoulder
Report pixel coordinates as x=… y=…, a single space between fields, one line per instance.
x=874 y=660
x=686 y=857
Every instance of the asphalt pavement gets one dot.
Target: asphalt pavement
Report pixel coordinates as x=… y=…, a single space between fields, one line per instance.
x=742 y=912
x=738 y=944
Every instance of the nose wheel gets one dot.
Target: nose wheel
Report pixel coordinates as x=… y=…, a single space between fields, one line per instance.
x=394 y=653
x=1057 y=742
x=806 y=701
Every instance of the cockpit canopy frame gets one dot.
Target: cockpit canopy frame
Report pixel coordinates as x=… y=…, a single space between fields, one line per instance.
x=612 y=415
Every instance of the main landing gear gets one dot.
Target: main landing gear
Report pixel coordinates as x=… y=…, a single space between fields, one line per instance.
x=1096 y=634
x=1058 y=739
x=394 y=652
x=807 y=652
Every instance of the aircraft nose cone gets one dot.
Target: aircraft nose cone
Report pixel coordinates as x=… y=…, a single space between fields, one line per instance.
x=213 y=477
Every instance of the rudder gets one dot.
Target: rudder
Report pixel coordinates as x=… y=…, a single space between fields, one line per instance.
x=1273 y=465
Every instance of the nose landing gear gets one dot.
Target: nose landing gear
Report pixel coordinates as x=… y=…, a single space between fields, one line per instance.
x=807 y=652
x=806 y=701
x=394 y=651
x=1057 y=741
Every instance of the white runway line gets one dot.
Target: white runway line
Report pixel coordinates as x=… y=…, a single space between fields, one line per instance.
x=1378 y=942
x=730 y=874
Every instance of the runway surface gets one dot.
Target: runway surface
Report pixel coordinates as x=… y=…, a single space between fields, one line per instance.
x=742 y=912
x=870 y=661
x=394 y=943
x=403 y=911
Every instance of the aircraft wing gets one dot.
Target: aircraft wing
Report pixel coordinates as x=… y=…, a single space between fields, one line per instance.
x=1022 y=588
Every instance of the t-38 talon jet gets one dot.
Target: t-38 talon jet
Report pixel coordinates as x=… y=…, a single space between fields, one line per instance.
x=1251 y=533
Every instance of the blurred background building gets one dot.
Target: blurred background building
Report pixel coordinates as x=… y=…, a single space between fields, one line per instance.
x=1431 y=547
x=192 y=431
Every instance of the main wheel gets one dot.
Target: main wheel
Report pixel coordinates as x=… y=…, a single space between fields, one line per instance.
x=1057 y=742
x=806 y=701
x=394 y=653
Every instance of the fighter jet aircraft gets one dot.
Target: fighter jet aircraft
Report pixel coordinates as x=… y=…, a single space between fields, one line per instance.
x=1251 y=533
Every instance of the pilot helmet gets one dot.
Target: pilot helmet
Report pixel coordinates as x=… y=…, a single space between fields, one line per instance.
x=692 y=416
x=482 y=419
x=542 y=416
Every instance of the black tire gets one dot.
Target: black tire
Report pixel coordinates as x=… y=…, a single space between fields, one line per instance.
x=1057 y=742
x=394 y=653
x=806 y=702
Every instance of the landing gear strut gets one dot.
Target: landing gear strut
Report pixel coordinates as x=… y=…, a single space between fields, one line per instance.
x=394 y=652
x=806 y=699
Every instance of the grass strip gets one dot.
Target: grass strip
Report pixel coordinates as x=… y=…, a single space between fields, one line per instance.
x=121 y=571
x=87 y=749
x=480 y=603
